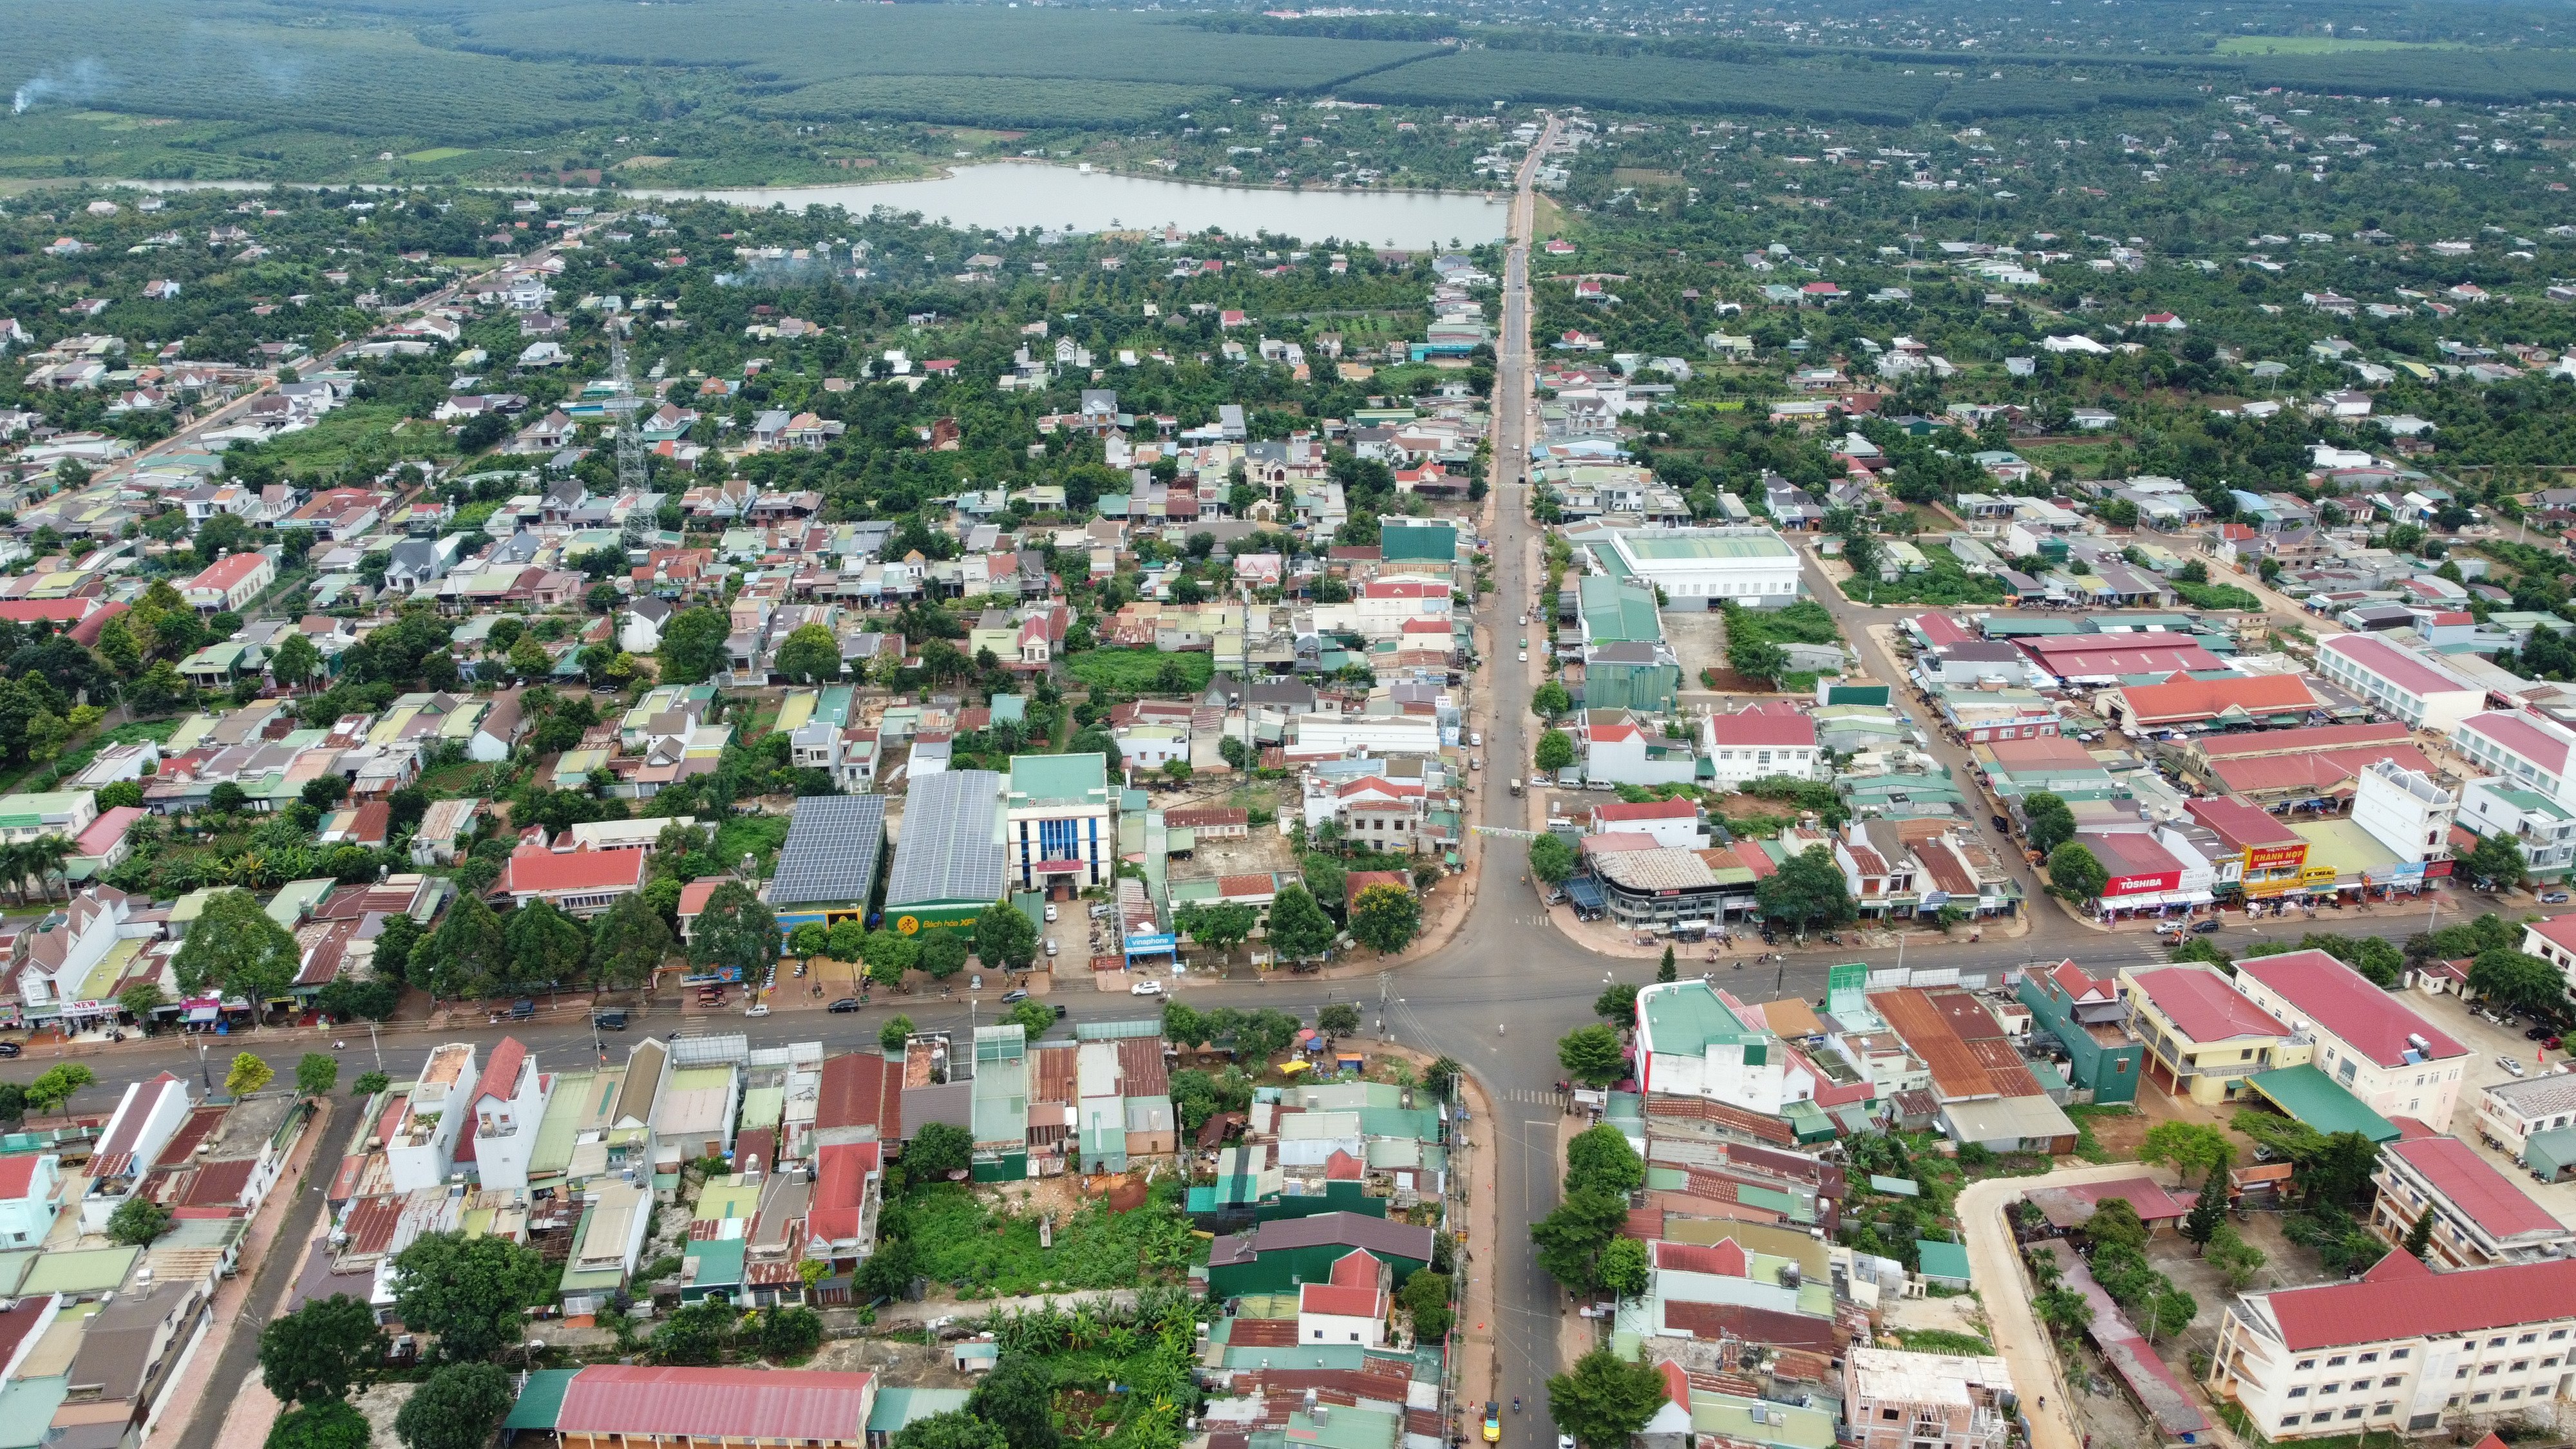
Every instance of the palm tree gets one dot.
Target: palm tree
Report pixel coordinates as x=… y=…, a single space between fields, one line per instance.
x=46 y=858
x=17 y=863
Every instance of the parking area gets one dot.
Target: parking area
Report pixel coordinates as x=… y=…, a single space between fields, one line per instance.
x=2489 y=1046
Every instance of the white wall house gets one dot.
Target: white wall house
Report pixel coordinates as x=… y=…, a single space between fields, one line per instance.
x=2399 y=682
x=2371 y=1043
x=1690 y=1044
x=1752 y=744
x=420 y=1145
x=508 y=1104
x=2405 y=811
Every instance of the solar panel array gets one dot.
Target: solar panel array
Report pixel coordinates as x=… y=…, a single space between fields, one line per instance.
x=831 y=850
x=951 y=849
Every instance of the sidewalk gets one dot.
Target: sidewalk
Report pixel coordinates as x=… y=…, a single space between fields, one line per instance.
x=1472 y=1341
x=246 y=1412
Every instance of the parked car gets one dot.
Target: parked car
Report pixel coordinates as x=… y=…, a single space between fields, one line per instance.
x=846 y=1003
x=1525 y=656
x=2535 y=1033
x=1010 y=996
x=2511 y=1064
x=614 y=1020
x=757 y=1008
x=1475 y=739
x=2208 y=928
x=1050 y=914
x=10 y=1049
x=522 y=1009
x=2002 y=824
x=2554 y=898
x=1146 y=988
x=1493 y=1422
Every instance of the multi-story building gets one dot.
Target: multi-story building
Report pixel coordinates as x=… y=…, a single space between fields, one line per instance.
x=2203 y=1036
x=2399 y=682
x=1898 y=1400
x=420 y=1135
x=1753 y=743
x=2527 y=749
x=2545 y=829
x=2402 y=1349
x=1056 y=828
x=2372 y=1044
x=2510 y=1114
x=509 y=1104
x=2480 y=1217
x=2406 y=811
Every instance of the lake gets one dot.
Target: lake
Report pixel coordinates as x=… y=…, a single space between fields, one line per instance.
x=1024 y=194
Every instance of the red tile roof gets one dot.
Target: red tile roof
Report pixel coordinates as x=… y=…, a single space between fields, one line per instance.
x=538 y=871
x=1724 y=1258
x=1340 y=1302
x=2401 y=1298
x=2300 y=741
x=859 y=1089
x=1758 y=728
x=500 y=1079
x=2242 y=824
x=1646 y=810
x=2342 y=1000
x=718 y=1403
x=840 y=1190
x=2108 y=654
x=17 y=1176
x=2203 y=1006
x=2487 y=1197
x=225 y=572
x=2518 y=733
x=2193 y=700
x=2322 y=772
x=2401 y=667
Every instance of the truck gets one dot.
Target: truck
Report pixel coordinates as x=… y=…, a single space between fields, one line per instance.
x=1516 y=786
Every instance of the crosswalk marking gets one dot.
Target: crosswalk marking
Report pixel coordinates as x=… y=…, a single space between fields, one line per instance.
x=1532 y=1097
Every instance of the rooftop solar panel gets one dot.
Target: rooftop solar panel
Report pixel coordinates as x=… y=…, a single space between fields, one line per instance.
x=831 y=850
x=951 y=848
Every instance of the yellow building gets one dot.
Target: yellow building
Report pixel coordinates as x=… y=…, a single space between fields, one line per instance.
x=2203 y=1037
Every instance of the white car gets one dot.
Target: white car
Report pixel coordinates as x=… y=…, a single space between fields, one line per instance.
x=762 y=1009
x=1050 y=915
x=2511 y=1064
x=1476 y=739
x=1146 y=988
x=1525 y=656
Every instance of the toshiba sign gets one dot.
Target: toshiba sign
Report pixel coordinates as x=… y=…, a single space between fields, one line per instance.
x=2139 y=885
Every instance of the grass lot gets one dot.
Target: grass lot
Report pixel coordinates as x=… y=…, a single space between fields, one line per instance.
x=2320 y=45
x=987 y=1254
x=2216 y=596
x=359 y=435
x=1142 y=671
x=758 y=836
x=1943 y=581
x=438 y=153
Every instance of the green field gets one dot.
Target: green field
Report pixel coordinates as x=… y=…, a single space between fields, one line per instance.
x=2321 y=45
x=990 y=100
x=438 y=153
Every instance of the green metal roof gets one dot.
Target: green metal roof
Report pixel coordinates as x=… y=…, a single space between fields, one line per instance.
x=2550 y=1153
x=541 y=1401
x=1943 y=1260
x=1615 y=612
x=1402 y=539
x=1059 y=779
x=2308 y=1094
x=1703 y=543
x=1687 y=1016
x=895 y=1408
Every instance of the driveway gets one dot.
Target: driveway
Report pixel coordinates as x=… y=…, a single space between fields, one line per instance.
x=2018 y=1334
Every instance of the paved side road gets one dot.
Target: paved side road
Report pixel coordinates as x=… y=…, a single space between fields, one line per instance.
x=2019 y=1336
x=280 y=1260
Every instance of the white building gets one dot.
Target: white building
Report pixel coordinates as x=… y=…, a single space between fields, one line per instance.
x=2372 y=1044
x=2402 y=1349
x=2527 y=749
x=1751 y=744
x=2545 y=829
x=1334 y=736
x=2510 y=1113
x=1690 y=1044
x=146 y=1118
x=2399 y=682
x=420 y=1143
x=1674 y=824
x=1624 y=752
x=2404 y=810
x=508 y=1103
x=1697 y=568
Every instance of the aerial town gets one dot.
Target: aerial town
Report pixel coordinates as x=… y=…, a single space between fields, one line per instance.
x=629 y=819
